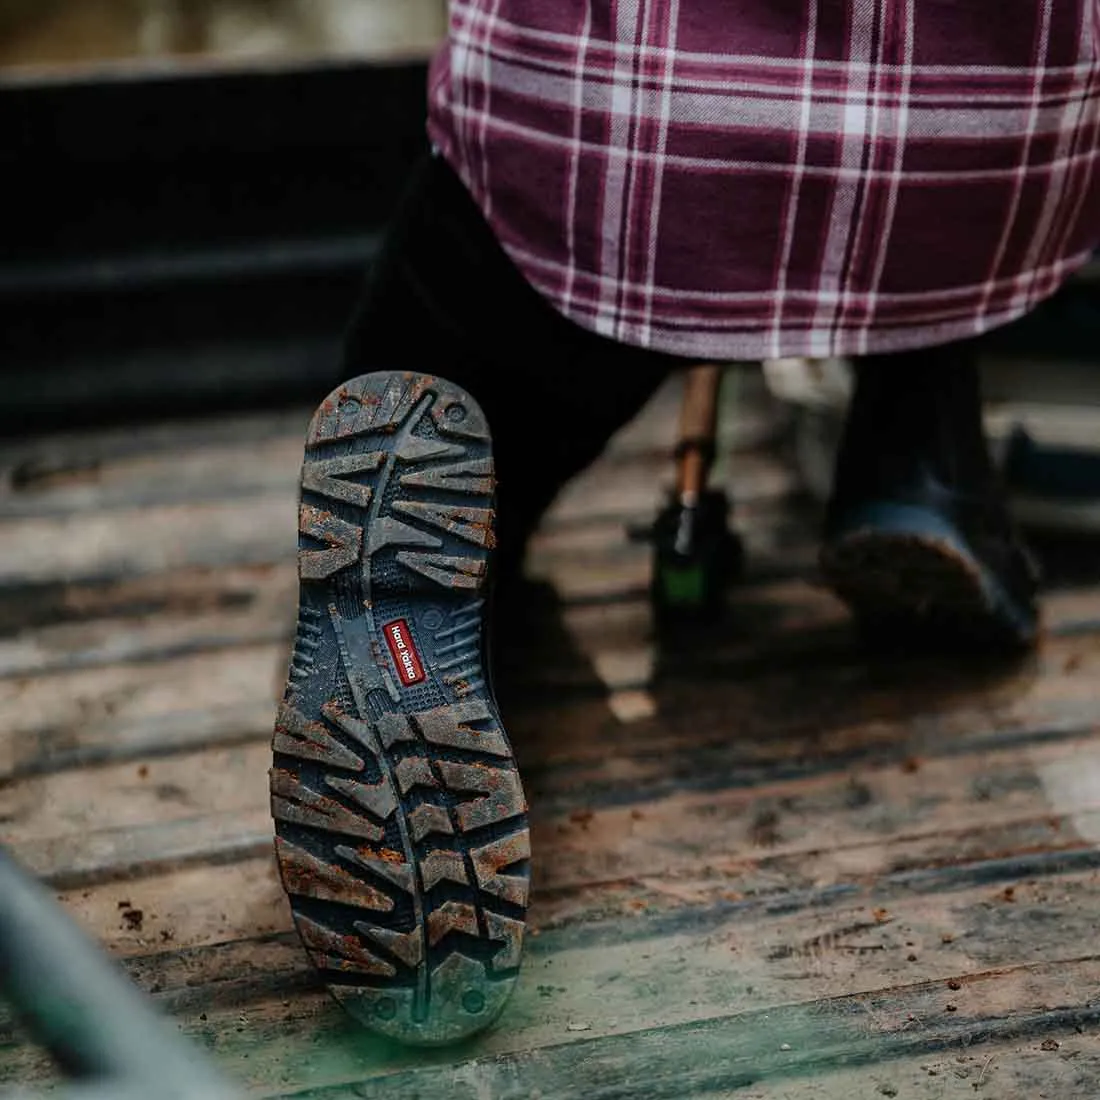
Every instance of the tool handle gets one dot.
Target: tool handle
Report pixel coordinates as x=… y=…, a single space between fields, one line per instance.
x=698 y=428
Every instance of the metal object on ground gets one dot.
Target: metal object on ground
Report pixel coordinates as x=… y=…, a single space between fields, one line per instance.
x=695 y=552
x=100 y=1030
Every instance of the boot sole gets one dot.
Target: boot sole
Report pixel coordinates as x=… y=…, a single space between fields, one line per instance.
x=401 y=825
x=913 y=583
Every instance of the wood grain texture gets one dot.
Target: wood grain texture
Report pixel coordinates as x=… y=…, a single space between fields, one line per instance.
x=803 y=873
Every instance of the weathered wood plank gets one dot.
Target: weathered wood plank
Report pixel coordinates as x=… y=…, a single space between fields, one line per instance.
x=125 y=711
x=783 y=837
x=602 y=600
x=148 y=619
x=185 y=592
x=570 y=891
x=133 y=795
x=124 y=853
x=887 y=971
x=259 y=526
x=195 y=700
x=57 y=626
x=232 y=469
x=830 y=942
x=1061 y=1065
x=189 y=460
x=892 y=892
x=126 y=543
x=156 y=618
x=234 y=458
x=213 y=807
x=191 y=906
x=52 y=459
x=746 y=1049
x=110 y=506
x=1047 y=1068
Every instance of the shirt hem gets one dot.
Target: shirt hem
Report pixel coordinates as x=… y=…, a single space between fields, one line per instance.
x=759 y=345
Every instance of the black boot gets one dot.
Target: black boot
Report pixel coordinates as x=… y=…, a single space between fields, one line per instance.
x=918 y=538
x=400 y=820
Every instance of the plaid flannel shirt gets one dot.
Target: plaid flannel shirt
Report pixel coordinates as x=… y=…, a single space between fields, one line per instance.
x=747 y=179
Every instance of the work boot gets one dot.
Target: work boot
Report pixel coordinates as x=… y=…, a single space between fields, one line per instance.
x=401 y=825
x=918 y=537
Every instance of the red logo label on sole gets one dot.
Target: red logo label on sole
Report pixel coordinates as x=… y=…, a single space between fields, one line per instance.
x=404 y=652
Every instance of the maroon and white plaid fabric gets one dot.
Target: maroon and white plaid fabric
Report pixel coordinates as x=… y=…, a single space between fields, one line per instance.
x=750 y=179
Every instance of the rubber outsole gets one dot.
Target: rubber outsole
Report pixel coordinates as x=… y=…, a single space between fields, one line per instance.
x=401 y=824
x=912 y=582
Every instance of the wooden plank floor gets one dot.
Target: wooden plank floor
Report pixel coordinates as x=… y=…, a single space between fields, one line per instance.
x=765 y=866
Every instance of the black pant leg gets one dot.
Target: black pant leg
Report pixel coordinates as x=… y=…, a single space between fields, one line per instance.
x=444 y=298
